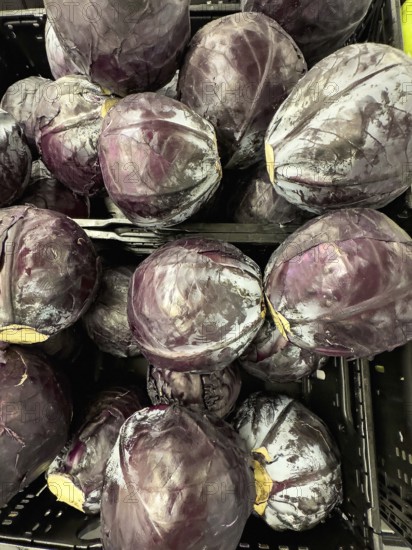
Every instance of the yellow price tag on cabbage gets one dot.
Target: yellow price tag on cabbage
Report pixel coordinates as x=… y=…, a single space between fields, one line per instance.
x=407 y=26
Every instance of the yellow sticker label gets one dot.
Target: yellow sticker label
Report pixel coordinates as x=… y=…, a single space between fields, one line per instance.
x=107 y=105
x=20 y=334
x=282 y=324
x=270 y=162
x=264 y=452
x=263 y=481
x=263 y=484
x=263 y=306
x=63 y=489
x=407 y=26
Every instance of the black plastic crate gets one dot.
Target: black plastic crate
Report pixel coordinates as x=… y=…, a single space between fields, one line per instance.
x=392 y=403
x=340 y=394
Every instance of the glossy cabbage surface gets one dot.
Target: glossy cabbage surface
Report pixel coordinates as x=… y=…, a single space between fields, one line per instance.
x=256 y=200
x=68 y=125
x=61 y=64
x=35 y=418
x=272 y=358
x=341 y=284
x=342 y=139
x=195 y=304
x=106 y=320
x=319 y=27
x=159 y=159
x=123 y=46
x=82 y=462
x=216 y=392
x=297 y=463
x=21 y=99
x=176 y=478
x=45 y=191
x=15 y=160
x=238 y=70
x=49 y=271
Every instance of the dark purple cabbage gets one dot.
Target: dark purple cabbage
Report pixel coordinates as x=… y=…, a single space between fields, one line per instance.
x=216 y=392
x=342 y=138
x=124 y=46
x=319 y=27
x=272 y=358
x=35 y=418
x=44 y=191
x=15 y=160
x=76 y=475
x=159 y=159
x=106 y=320
x=341 y=284
x=21 y=100
x=68 y=124
x=177 y=478
x=49 y=273
x=296 y=462
x=257 y=201
x=195 y=305
x=237 y=72
x=61 y=64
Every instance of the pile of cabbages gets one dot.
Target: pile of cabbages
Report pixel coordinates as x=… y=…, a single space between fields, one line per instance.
x=264 y=115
